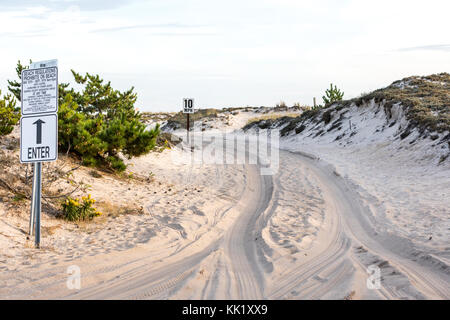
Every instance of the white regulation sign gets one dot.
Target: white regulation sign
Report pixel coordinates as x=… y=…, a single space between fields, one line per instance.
x=40 y=90
x=39 y=138
x=188 y=105
x=44 y=64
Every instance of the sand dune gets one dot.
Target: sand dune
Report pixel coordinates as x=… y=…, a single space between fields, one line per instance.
x=227 y=232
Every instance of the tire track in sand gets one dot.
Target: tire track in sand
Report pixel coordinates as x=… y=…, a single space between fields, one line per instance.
x=236 y=243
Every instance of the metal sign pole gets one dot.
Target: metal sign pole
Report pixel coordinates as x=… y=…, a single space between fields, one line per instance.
x=33 y=197
x=38 y=169
x=39 y=129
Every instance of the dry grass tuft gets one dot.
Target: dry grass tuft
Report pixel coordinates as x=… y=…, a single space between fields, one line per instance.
x=110 y=209
x=272 y=117
x=50 y=230
x=95 y=174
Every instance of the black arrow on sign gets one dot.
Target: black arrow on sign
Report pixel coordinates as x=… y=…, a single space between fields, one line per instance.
x=38 y=124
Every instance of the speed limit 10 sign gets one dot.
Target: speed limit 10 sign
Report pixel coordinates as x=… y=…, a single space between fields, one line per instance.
x=188 y=105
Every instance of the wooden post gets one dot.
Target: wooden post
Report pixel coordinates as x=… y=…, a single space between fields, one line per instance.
x=187 y=127
x=314 y=102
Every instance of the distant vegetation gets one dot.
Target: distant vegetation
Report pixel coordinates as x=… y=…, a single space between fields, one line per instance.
x=156 y=116
x=270 y=117
x=425 y=99
x=9 y=114
x=178 y=120
x=281 y=104
x=98 y=123
x=332 y=95
x=198 y=115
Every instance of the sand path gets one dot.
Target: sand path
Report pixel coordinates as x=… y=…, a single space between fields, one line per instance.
x=299 y=234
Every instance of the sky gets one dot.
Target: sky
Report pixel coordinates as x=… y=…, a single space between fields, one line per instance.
x=229 y=53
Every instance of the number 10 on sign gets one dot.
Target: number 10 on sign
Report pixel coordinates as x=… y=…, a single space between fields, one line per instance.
x=188 y=105
x=188 y=108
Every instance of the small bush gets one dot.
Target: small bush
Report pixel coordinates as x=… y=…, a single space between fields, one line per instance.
x=166 y=140
x=80 y=210
x=332 y=95
x=9 y=114
x=98 y=123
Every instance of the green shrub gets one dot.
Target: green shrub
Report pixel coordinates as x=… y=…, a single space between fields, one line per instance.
x=80 y=210
x=332 y=95
x=98 y=123
x=9 y=114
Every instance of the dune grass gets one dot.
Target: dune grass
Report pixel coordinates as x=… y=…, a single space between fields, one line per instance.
x=272 y=117
x=425 y=99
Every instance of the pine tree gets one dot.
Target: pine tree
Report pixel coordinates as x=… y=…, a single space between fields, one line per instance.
x=332 y=95
x=9 y=114
x=98 y=123
x=15 y=86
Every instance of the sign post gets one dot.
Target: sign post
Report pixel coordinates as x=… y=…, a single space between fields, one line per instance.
x=37 y=204
x=188 y=108
x=32 y=213
x=39 y=129
x=187 y=127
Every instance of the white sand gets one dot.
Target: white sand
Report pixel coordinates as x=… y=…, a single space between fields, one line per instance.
x=226 y=232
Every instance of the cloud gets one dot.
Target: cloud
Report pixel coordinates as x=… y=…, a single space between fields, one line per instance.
x=434 y=47
x=84 y=5
x=147 y=26
x=183 y=34
x=28 y=34
x=30 y=22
